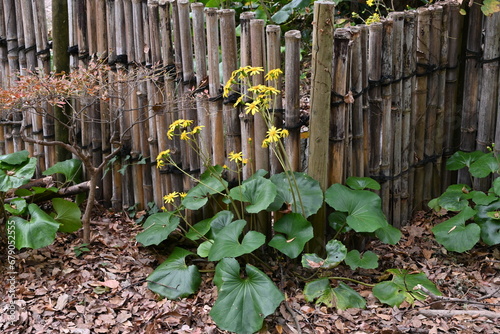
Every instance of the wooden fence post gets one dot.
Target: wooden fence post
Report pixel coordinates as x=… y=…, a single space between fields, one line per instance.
x=321 y=87
x=356 y=90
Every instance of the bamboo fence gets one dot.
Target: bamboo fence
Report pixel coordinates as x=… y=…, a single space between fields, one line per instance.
x=392 y=100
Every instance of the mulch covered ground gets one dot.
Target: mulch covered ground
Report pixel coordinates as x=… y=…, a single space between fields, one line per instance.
x=104 y=290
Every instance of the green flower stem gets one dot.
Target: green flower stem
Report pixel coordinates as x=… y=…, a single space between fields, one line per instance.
x=351 y=280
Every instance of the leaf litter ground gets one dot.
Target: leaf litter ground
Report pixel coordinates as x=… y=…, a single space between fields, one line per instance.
x=104 y=290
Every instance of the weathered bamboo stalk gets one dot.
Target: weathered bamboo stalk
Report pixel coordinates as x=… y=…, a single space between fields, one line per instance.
x=177 y=36
x=375 y=96
x=471 y=83
x=489 y=91
x=423 y=66
x=338 y=118
x=29 y=34
x=200 y=51
x=408 y=114
x=20 y=38
x=4 y=62
x=356 y=88
x=273 y=38
x=292 y=97
x=215 y=105
x=246 y=120
x=431 y=125
x=229 y=64
x=258 y=60
x=364 y=95
x=451 y=119
x=92 y=28
x=386 y=134
x=321 y=87
x=110 y=31
x=397 y=126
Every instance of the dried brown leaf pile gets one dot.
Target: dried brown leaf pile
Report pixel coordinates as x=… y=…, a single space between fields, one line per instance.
x=104 y=290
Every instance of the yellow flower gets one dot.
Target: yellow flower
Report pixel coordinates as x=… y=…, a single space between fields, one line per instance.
x=227 y=88
x=197 y=129
x=284 y=133
x=238 y=101
x=184 y=135
x=225 y=167
x=236 y=157
x=370 y=2
x=170 y=197
x=161 y=157
x=374 y=18
x=252 y=107
x=273 y=134
x=244 y=161
x=182 y=195
x=273 y=74
x=265 y=143
x=163 y=208
x=180 y=123
x=254 y=70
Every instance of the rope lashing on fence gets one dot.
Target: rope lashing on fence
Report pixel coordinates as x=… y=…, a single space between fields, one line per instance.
x=232 y=98
x=73 y=50
x=381 y=178
x=3 y=42
x=45 y=51
x=30 y=48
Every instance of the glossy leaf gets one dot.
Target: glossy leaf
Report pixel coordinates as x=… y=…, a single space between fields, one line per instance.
x=227 y=244
x=362 y=206
x=258 y=192
x=68 y=214
x=38 y=232
x=484 y=166
x=157 y=228
x=211 y=183
x=461 y=159
x=321 y=290
x=388 y=234
x=293 y=233
x=368 y=260
x=16 y=206
x=16 y=158
x=335 y=253
x=345 y=297
x=173 y=278
x=71 y=169
x=14 y=176
x=311 y=195
x=243 y=303
x=199 y=229
x=454 y=235
x=360 y=183
x=487 y=218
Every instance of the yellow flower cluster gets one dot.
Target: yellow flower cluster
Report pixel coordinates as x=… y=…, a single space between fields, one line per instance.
x=169 y=198
x=370 y=3
x=182 y=124
x=161 y=158
x=237 y=157
x=273 y=135
x=375 y=17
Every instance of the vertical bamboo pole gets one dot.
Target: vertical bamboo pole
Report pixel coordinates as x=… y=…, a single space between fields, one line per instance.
x=386 y=134
x=258 y=60
x=29 y=34
x=292 y=97
x=357 y=106
x=110 y=30
x=246 y=120
x=177 y=36
x=273 y=38
x=397 y=127
x=432 y=117
x=489 y=91
x=423 y=62
x=20 y=38
x=338 y=119
x=471 y=83
x=215 y=105
x=229 y=64
x=321 y=87
x=364 y=94
x=452 y=118
x=45 y=125
x=375 y=96
x=200 y=51
x=4 y=71
x=166 y=32
x=409 y=114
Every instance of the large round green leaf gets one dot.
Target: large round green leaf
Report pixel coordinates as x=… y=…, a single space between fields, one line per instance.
x=454 y=235
x=38 y=232
x=484 y=166
x=345 y=297
x=71 y=169
x=360 y=183
x=321 y=290
x=306 y=198
x=388 y=234
x=173 y=278
x=227 y=244
x=335 y=253
x=14 y=176
x=157 y=228
x=243 y=303
x=461 y=159
x=362 y=206
x=211 y=183
x=17 y=206
x=68 y=214
x=487 y=218
x=16 y=158
x=293 y=233
x=258 y=192
x=354 y=259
